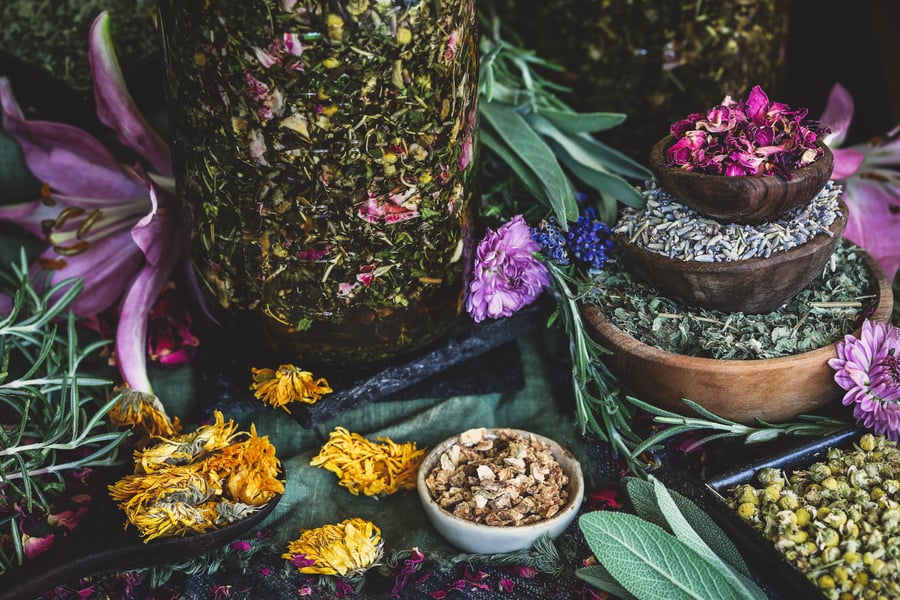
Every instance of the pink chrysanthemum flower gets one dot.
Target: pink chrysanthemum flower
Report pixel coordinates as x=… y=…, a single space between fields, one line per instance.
x=868 y=367
x=507 y=276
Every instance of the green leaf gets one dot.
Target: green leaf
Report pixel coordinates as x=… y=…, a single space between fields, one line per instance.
x=650 y=563
x=605 y=183
x=533 y=152
x=644 y=499
x=575 y=122
x=684 y=532
x=599 y=577
x=525 y=176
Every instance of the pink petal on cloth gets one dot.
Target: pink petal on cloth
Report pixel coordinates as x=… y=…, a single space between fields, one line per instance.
x=846 y=162
x=105 y=267
x=874 y=221
x=70 y=159
x=115 y=107
x=837 y=116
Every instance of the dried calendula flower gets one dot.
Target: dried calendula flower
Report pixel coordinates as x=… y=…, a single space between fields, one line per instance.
x=345 y=548
x=288 y=384
x=145 y=412
x=500 y=478
x=198 y=481
x=369 y=467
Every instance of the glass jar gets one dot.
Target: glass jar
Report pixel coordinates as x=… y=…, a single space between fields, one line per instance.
x=325 y=152
x=657 y=62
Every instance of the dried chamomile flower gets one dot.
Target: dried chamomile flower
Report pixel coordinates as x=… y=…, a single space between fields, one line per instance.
x=199 y=481
x=346 y=548
x=368 y=467
x=288 y=384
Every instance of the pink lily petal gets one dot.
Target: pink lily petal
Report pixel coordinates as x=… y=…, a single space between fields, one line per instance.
x=837 y=116
x=115 y=107
x=154 y=234
x=75 y=161
x=846 y=162
x=101 y=266
x=29 y=215
x=131 y=332
x=874 y=221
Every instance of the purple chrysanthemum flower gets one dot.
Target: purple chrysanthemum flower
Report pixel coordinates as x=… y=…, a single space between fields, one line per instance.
x=868 y=367
x=507 y=276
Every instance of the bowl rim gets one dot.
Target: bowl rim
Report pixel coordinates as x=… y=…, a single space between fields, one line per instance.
x=575 y=485
x=657 y=164
x=620 y=339
x=814 y=244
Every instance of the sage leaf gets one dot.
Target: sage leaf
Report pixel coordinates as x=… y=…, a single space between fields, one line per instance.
x=650 y=563
x=684 y=532
x=574 y=122
x=515 y=131
x=644 y=499
x=599 y=577
x=605 y=183
x=525 y=176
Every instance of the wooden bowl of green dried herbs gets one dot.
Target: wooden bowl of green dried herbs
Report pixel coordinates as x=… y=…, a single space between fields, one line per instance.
x=743 y=390
x=731 y=267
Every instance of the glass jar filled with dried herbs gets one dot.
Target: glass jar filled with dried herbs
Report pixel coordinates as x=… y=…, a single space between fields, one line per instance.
x=325 y=150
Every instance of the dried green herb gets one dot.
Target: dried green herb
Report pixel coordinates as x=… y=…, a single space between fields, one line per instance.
x=53 y=35
x=825 y=311
x=327 y=152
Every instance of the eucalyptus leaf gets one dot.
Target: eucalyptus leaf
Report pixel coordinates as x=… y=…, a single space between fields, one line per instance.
x=515 y=131
x=575 y=122
x=650 y=563
x=599 y=577
x=643 y=497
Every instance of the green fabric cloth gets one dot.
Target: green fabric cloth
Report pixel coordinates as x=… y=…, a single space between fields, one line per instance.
x=313 y=496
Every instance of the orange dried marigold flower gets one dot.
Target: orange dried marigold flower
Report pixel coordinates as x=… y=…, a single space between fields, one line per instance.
x=345 y=548
x=369 y=467
x=145 y=412
x=288 y=384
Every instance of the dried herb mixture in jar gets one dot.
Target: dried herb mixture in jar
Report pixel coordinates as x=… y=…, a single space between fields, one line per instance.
x=326 y=152
x=501 y=480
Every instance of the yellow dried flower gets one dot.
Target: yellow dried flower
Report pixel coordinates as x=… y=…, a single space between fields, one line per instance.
x=349 y=547
x=288 y=384
x=145 y=413
x=198 y=481
x=369 y=467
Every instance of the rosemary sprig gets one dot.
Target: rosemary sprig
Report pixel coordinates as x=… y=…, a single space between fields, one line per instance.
x=52 y=414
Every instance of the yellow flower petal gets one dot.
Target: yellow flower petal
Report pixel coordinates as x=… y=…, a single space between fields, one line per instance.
x=347 y=547
x=369 y=467
x=143 y=412
x=288 y=384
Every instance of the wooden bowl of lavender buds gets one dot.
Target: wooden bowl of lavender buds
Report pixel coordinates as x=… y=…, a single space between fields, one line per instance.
x=730 y=267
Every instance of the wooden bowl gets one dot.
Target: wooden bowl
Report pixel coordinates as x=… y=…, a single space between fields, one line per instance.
x=749 y=199
x=774 y=389
x=756 y=285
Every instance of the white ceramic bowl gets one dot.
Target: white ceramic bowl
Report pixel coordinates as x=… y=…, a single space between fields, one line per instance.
x=488 y=539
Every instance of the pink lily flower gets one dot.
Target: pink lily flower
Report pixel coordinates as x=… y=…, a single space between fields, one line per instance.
x=112 y=224
x=870 y=174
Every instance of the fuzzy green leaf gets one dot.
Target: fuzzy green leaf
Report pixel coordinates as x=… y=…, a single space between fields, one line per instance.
x=605 y=183
x=650 y=563
x=574 y=122
x=644 y=499
x=519 y=137
x=599 y=577
x=525 y=176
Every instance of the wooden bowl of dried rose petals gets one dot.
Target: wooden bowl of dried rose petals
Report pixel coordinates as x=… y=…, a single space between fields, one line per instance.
x=492 y=491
